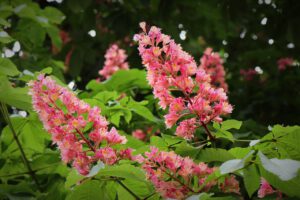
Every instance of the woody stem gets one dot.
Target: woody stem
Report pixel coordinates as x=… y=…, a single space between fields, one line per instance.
x=85 y=140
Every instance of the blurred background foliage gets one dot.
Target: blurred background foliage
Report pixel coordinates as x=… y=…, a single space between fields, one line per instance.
x=249 y=34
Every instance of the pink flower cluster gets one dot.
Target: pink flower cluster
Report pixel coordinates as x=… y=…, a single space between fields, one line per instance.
x=283 y=63
x=248 y=74
x=144 y=135
x=173 y=175
x=212 y=63
x=115 y=59
x=266 y=189
x=76 y=128
x=170 y=69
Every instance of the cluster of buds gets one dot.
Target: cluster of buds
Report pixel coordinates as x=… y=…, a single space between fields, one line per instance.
x=212 y=63
x=79 y=131
x=171 y=70
x=283 y=63
x=115 y=59
x=174 y=176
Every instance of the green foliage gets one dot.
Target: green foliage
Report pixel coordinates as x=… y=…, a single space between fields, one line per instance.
x=89 y=190
x=242 y=147
x=7 y=67
x=17 y=97
x=121 y=81
x=251 y=179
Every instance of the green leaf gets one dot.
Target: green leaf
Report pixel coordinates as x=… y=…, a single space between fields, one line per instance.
x=73 y=178
x=88 y=190
x=222 y=130
x=124 y=194
x=185 y=149
x=231 y=124
x=3 y=22
x=291 y=187
x=125 y=171
x=116 y=116
x=171 y=139
x=212 y=154
x=25 y=10
x=141 y=189
x=251 y=179
x=30 y=33
x=140 y=109
x=234 y=165
x=285 y=169
x=33 y=136
x=8 y=68
x=17 y=97
x=5 y=38
x=122 y=80
x=53 y=15
x=159 y=143
x=224 y=134
x=284 y=139
x=53 y=32
x=239 y=152
x=106 y=96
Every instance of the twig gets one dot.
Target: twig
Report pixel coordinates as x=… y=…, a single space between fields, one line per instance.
x=86 y=140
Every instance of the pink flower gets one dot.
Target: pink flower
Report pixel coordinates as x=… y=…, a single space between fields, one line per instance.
x=66 y=118
x=113 y=137
x=186 y=128
x=81 y=163
x=230 y=185
x=172 y=174
x=127 y=154
x=212 y=63
x=169 y=69
x=266 y=189
x=114 y=61
x=283 y=63
x=107 y=155
x=171 y=119
x=139 y=134
x=145 y=134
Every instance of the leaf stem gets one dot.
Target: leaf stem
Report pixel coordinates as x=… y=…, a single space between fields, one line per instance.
x=24 y=158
